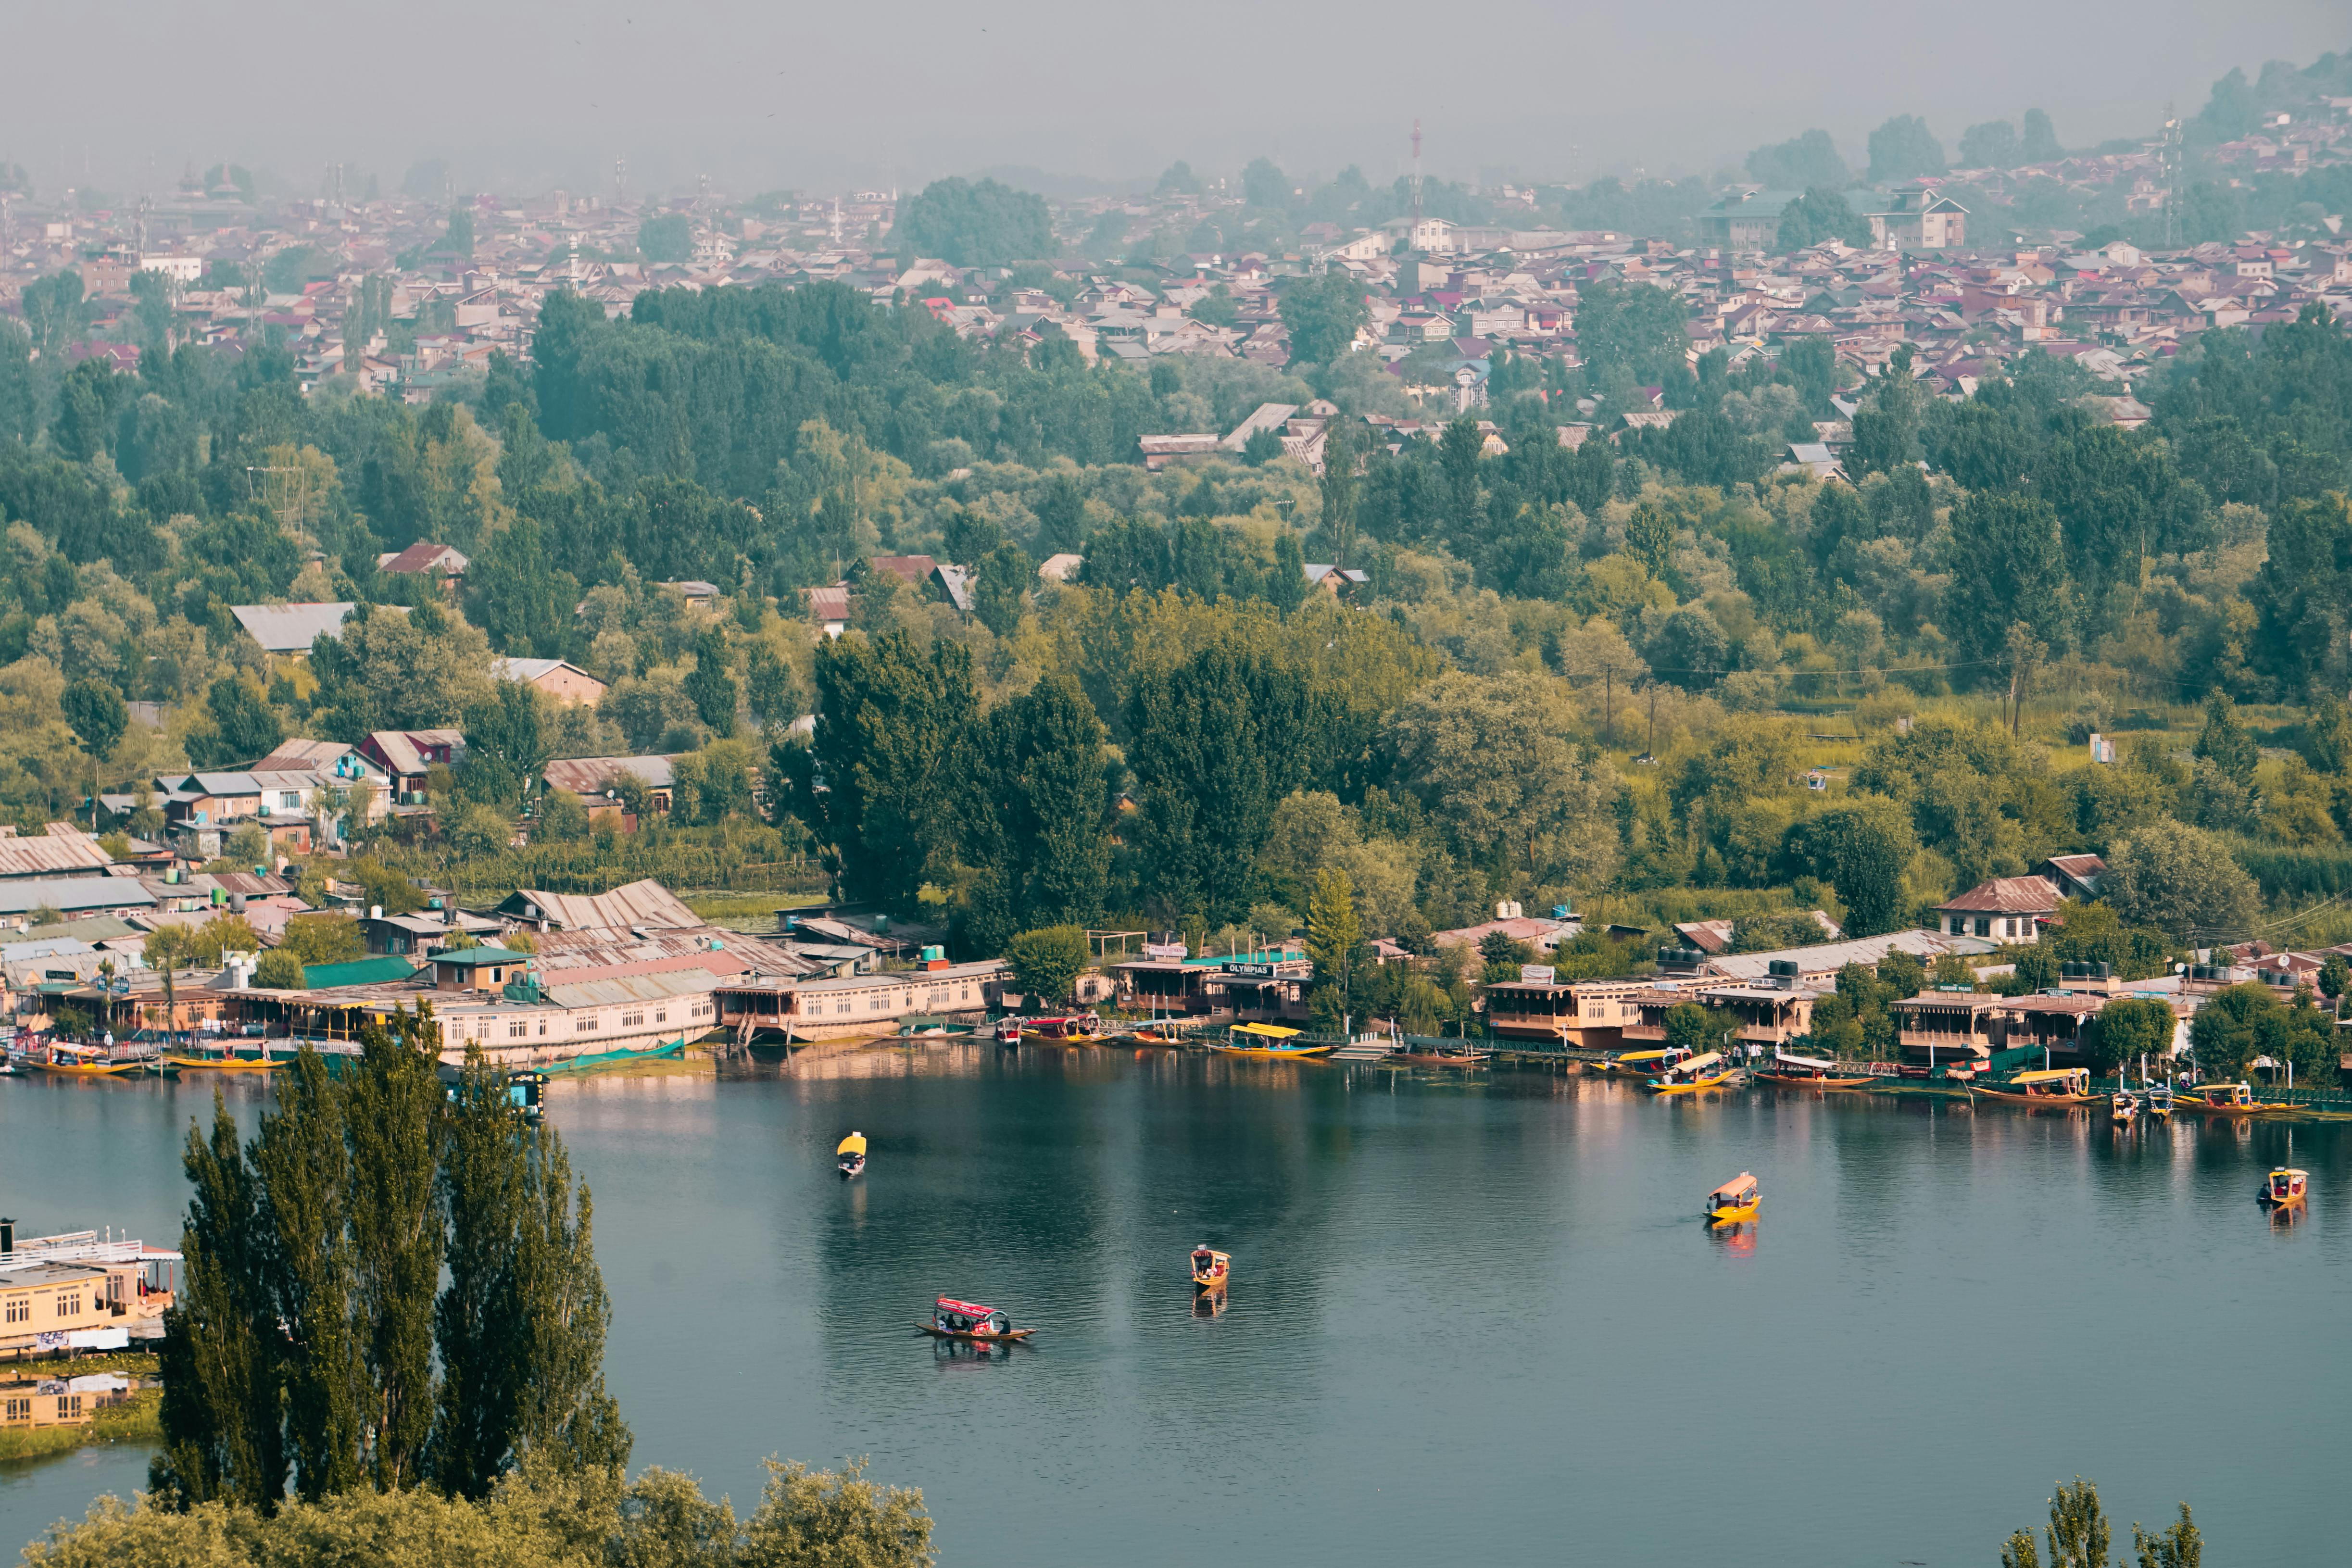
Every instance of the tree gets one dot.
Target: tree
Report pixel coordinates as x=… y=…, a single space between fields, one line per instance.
x=2335 y=977
x=320 y=938
x=564 y=1416
x=1046 y=963
x=1335 y=940
x=892 y=716
x=398 y=1232
x=2130 y=1029
x=2007 y=569
x=1042 y=782
x=220 y=1422
x=478 y=1318
x=1861 y=849
x=666 y=238
x=1799 y=163
x=1991 y=145
x=1820 y=214
x=2226 y=743
x=1264 y=185
x=1000 y=588
x=1904 y=149
x=514 y=590
x=54 y=312
x=281 y=970
x=2179 y=1546
x=507 y=742
x=1692 y=1027
x=304 y=1170
x=709 y=685
x=96 y=711
x=248 y=728
x=981 y=223
x=1635 y=329
x=1322 y=316
x=2181 y=881
x=2040 y=143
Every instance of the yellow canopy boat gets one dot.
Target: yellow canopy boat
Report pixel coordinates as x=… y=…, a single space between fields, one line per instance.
x=1269 y=1041
x=850 y=1156
x=1734 y=1201
x=2051 y=1086
x=77 y=1062
x=1211 y=1271
x=2225 y=1100
x=2287 y=1185
x=1705 y=1070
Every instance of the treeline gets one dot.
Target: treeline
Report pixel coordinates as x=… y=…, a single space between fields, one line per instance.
x=314 y=1335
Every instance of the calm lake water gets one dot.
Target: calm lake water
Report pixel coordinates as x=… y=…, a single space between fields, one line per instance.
x=1467 y=1318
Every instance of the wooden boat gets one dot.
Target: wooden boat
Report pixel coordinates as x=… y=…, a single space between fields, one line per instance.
x=2052 y=1086
x=2224 y=1100
x=1734 y=1201
x=224 y=1061
x=1083 y=1028
x=1466 y=1056
x=1268 y=1041
x=1211 y=1271
x=1008 y=1032
x=70 y=1060
x=2285 y=1187
x=1157 y=1034
x=2124 y=1108
x=972 y=1323
x=2159 y=1101
x=1707 y=1070
x=850 y=1155
x=1652 y=1060
x=1789 y=1071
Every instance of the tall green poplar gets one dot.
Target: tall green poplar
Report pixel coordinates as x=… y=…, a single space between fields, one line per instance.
x=305 y=1174
x=397 y=1229
x=477 y=1322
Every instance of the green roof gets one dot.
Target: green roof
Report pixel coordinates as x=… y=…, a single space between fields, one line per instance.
x=474 y=957
x=358 y=972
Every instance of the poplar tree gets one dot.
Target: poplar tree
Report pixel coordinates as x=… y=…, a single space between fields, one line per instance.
x=221 y=1431
x=563 y=1413
x=300 y=1158
x=398 y=1230
x=484 y=1171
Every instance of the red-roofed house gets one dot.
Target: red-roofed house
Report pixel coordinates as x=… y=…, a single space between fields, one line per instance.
x=2006 y=909
x=445 y=566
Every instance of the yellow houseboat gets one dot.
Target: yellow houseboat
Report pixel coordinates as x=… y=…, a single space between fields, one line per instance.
x=1734 y=1201
x=1706 y=1071
x=1268 y=1041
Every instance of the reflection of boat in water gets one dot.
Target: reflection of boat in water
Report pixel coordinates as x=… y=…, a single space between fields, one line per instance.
x=1790 y=1072
x=2285 y=1188
x=1210 y=1303
x=1211 y=1271
x=2052 y=1086
x=1267 y=1040
x=951 y=1319
x=1707 y=1070
x=850 y=1156
x=1734 y=1201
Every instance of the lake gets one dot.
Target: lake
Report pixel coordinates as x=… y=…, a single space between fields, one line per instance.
x=1467 y=1317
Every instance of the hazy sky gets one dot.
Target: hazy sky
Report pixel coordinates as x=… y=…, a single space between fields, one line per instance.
x=757 y=96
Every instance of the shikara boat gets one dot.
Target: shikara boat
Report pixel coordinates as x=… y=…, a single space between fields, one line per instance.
x=2159 y=1102
x=1211 y=1271
x=1157 y=1034
x=1709 y=1070
x=2284 y=1188
x=1077 y=1029
x=71 y=1061
x=850 y=1155
x=2123 y=1108
x=1466 y=1056
x=971 y=1321
x=2051 y=1086
x=1734 y=1201
x=1268 y=1041
x=1790 y=1072
x=198 y=1059
x=1008 y=1032
x=2224 y=1100
x=1655 y=1060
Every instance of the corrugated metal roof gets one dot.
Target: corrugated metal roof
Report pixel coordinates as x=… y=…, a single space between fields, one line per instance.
x=290 y=628
x=630 y=988
x=588 y=775
x=66 y=851
x=68 y=895
x=646 y=903
x=1831 y=957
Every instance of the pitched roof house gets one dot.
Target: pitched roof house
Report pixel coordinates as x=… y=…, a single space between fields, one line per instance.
x=2006 y=909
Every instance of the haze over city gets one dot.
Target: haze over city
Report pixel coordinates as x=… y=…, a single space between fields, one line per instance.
x=522 y=98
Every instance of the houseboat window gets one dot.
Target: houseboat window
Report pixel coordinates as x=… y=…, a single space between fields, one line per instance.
x=632 y=1021
x=661 y=1015
x=19 y=1310
x=70 y=1406
x=584 y=1024
x=542 y=1026
x=20 y=1410
x=841 y=1007
x=517 y=1029
x=69 y=1306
